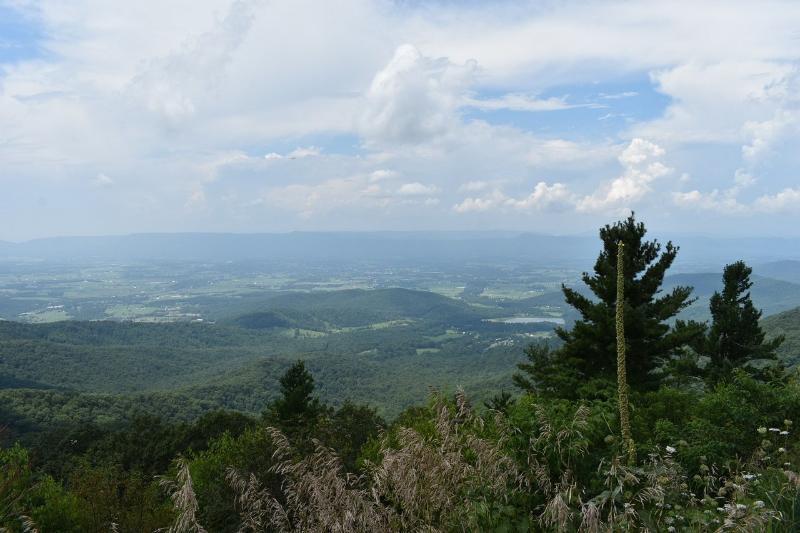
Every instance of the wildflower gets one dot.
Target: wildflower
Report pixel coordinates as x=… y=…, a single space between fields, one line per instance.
x=749 y=477
x=784 y=433
x=775 y=430
x=781 y=450
x=762 y=430
x=758 y=504
x=609 y=439
x=671 y=529
x=741 y=506
x=670 y=449
x=787 y=422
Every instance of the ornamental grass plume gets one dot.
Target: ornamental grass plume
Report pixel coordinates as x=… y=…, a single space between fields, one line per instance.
x=622 y=381
x=181 y=491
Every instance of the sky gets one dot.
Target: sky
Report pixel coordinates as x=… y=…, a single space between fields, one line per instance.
x=357 y=115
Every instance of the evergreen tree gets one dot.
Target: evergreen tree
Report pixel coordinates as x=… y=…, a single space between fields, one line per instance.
x=297 y=400
x=587 y=357
x=735 y=336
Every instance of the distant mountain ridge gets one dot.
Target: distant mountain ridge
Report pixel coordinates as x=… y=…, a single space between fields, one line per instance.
x=393 y=247
x=770 y=295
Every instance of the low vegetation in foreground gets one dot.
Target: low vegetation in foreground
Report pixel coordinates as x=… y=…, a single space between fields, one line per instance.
x=709 y=438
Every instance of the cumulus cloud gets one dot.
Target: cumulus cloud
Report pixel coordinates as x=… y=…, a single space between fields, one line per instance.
x=727 y=201
x=544 y=196
x=297 y=153
x=414 y=98
x=491 y=201
x=786 y=200
x=716 y=200
x=642 y=165
x=416 y=189
x=383 y=174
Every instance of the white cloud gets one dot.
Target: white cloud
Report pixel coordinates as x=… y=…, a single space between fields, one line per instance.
x=727 y=201
x=544 y=196
x=414 y=98
x=169 y=98
x=416 y=189
x=718 y=201
x=102 y=180
x=642 y=166
x=297 y=153
x=492 y=201
x=473 y=186
x=521 y=102
x=786 y=200
x=383 y=174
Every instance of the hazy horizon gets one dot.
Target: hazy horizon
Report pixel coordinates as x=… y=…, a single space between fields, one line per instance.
x=661 y=236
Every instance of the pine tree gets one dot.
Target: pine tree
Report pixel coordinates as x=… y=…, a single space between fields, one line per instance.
x=588 y=354
x=296 y=401
x=735 y=336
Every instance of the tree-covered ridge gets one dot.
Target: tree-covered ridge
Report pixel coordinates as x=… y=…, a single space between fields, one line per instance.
x=353 y=340
x=786 y=324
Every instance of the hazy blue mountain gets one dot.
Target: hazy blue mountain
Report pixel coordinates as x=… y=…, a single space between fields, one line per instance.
x=382 y=247
x=379 y=247
x=770 y=295
x=787 y=270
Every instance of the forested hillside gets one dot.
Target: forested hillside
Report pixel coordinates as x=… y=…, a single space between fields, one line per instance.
x=788 y=325
x=383 y=347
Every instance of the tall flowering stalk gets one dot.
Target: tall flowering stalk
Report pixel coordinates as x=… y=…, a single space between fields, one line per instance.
x=622 y=380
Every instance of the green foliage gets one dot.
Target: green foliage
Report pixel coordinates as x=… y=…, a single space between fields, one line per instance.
x=721 y=456
x=736 y=337
x=786 y=325
x=296 y=401
x=588 y=354
x=104 y=372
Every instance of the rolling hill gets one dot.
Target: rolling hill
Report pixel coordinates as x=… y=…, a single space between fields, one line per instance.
x=770 y=295
x=386 y=347
x=787 y=324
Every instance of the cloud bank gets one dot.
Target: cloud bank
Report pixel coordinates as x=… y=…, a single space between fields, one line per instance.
x=249 y=115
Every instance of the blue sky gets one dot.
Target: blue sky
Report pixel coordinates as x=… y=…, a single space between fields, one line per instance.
x=249 y=115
